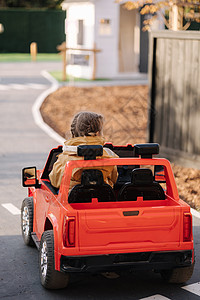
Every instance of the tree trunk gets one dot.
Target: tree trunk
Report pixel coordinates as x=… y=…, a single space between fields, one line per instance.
x=176 y=18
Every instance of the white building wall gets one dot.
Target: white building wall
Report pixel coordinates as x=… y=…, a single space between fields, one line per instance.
x=75 y=12
x=106 y=38
x=85 y=12
x=107 y=60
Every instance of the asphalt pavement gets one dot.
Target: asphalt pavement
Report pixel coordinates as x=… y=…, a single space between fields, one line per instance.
x=22 y=144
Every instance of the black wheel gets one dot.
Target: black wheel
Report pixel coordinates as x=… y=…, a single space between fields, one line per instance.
x=50 y=278
x=27 y=220
x=178 y=275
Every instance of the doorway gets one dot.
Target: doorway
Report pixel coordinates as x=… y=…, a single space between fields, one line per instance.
x=129 y=40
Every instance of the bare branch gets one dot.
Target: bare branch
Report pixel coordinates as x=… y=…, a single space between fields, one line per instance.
x=187 y=25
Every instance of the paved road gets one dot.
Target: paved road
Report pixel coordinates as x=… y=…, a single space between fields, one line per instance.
x=24 y=144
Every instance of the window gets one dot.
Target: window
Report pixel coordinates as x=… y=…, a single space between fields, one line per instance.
x=80 y=34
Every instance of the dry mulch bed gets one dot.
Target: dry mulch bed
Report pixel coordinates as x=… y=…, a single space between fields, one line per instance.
x=125 y=110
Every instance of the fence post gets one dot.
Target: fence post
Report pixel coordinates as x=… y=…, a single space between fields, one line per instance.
x=64 y=54
x=94 y=63
x=63 y=49
x=1 y=28
x=33 y=51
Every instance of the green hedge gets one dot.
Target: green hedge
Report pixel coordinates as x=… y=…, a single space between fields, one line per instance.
x=22 y=27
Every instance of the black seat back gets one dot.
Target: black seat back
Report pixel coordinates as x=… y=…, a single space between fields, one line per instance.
x=141 y=185
x=92 y=186
x=52 y=158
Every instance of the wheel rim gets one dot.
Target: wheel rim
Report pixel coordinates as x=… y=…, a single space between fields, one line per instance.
x=25 y=221
x=44 y=259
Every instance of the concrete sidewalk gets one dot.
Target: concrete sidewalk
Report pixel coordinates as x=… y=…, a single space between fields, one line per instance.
x=135 y=79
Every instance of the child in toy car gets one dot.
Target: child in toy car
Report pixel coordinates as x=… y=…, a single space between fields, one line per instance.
x=86 y=129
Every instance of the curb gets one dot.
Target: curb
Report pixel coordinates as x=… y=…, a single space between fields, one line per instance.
x=39 y=121
x=36 y=108
x=195 y=213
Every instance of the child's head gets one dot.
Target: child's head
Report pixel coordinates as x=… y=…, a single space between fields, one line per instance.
x=87 y=123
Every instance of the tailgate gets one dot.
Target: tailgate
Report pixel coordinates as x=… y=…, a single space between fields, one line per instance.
x=129 y=229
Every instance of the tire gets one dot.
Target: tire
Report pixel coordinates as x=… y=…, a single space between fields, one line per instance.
x=178 y=275
x=49 y=277
x=27 y=220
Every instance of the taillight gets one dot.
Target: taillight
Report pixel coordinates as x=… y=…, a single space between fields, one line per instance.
x=69 y=232
x=187 y=227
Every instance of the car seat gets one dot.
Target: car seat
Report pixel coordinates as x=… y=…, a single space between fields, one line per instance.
x=141 y=185
x=92 y=186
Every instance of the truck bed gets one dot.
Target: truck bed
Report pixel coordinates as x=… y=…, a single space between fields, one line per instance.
x=130 y=226
x=137 y=234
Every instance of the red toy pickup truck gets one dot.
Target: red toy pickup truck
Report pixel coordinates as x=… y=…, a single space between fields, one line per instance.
x=141 y=223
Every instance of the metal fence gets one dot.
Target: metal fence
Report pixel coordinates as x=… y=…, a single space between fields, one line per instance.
x=174 y=78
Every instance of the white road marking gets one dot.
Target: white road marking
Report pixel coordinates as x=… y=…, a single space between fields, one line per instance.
x=17 y=86
x=3 y=87
x=193 y=288
x=156 y=297
x=11 y=208
x=14 y=86
x=36 y=86
x=36 y=109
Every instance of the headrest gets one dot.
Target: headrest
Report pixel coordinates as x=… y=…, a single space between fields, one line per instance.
x=142 y=177
x=145 y=150
x=90 y=151
x=92 y=177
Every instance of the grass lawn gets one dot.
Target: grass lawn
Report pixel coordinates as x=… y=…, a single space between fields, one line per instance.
x=58 y=76
x=25 y=57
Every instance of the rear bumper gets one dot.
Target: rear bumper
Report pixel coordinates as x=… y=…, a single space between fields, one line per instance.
x=114 y=262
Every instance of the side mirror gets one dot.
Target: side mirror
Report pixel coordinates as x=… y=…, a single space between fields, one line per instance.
x=29 y=177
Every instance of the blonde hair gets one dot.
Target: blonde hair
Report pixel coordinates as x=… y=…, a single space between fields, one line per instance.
x=87 y=123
